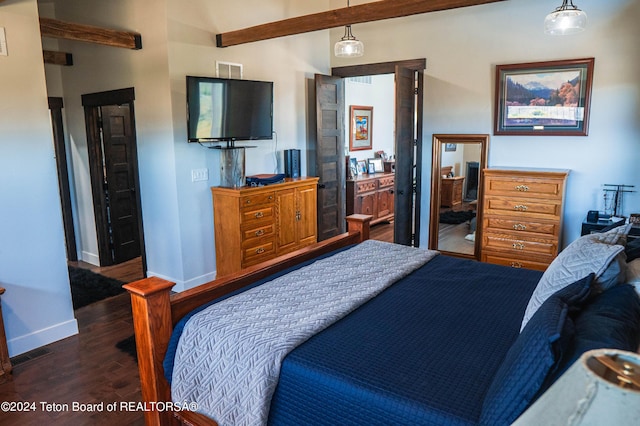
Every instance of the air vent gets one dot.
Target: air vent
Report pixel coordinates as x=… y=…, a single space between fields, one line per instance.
x=228 y=70
x=363 y=79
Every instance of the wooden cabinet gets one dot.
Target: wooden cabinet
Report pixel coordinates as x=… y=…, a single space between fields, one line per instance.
x=522 y=217
x=254 y=224
x=372 y=195
x=451 y=191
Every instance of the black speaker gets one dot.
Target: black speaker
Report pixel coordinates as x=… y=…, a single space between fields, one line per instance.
x=592 y=216
x=292 y=163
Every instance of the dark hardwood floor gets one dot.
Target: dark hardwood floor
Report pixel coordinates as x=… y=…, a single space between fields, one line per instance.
x=84 y=369
x=88 y=368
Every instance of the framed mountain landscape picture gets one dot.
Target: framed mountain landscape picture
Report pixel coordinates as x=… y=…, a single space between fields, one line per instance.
x=544 y=98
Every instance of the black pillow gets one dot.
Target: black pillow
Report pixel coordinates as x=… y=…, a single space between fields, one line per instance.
x=609 y=320
x=632 y=249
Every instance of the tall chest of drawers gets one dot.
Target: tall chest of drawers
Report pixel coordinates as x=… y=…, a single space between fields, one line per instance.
x=522 y=217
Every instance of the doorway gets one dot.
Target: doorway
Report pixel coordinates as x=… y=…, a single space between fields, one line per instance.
x=113 y=164
x=327 y=155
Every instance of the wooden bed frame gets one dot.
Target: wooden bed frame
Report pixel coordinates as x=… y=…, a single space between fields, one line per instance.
x=156 y=311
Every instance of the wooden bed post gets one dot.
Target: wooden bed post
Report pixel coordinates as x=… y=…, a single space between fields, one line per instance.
x=152 y=323
x=359 y=223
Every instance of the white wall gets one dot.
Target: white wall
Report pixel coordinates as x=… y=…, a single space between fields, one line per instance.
x=380 y=95
x=462 y=48
x=37 y=304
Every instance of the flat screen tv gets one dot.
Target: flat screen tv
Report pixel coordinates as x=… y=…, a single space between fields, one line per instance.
x=220 y=109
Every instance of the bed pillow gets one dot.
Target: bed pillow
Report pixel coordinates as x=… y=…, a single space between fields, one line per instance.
x=592 y=253
x=533 y=355
x=632 y=249
x=609 y=320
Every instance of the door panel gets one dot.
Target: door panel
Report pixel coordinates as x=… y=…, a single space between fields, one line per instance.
x=120 y=182
x=329 y=155
x=405 y=156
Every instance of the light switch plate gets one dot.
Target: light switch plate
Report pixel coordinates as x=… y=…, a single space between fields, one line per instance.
x=198 y=175
x=3 y=43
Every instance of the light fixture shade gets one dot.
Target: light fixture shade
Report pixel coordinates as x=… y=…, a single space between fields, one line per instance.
x=348 y=46
x=591 y=392
x=565 y=21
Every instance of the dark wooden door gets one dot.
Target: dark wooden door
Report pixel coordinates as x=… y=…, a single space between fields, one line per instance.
x=113 y=165
x=55 y=106
x=120 y=182
x=405 y=156
x=327 y=161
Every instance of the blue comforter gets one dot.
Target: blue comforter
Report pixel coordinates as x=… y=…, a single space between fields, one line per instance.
x=422 y=352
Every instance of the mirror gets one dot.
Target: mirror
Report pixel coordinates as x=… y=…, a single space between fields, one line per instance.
x=455 y=224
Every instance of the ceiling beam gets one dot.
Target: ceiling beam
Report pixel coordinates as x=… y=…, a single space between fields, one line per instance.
x=57 y=58
x=88 y=33
x=368 y=12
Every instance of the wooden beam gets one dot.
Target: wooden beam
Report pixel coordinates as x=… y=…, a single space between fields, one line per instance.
x=57 y=58
x=368 y=12
x=88 y=33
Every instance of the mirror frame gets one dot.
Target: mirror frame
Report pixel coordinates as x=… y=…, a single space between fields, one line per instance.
x=439 y=141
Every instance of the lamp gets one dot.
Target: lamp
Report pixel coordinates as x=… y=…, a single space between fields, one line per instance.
x=566 y=19
x=348 y=46
x=601 y=387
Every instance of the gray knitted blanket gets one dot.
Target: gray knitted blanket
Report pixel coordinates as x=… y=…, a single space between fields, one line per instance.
x=229 y=355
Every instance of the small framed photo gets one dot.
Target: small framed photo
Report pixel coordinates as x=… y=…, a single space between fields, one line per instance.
x=372 y=168
x=362 y=167
x=377 y=165
x=449 y=147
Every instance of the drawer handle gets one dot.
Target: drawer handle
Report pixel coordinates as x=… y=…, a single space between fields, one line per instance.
x=270 y=197
x=248 y=201
x=259 y=232
x=516 y=265
x=520 y=207
x=260 y=250
x=259 y=214
x=518 y=246
x=519 y=227
x=522 y=188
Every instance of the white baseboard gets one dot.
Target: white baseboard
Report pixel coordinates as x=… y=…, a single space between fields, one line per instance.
x=185 y=285
x=91 y=258
x=28 y=342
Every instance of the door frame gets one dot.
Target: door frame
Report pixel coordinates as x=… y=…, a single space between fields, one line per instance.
x=92 y=103
x=418 y=66
x=55 y=106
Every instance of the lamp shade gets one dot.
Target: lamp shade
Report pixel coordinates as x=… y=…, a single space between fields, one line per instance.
x=348 y=46
x=591 y=392
x=565 y=21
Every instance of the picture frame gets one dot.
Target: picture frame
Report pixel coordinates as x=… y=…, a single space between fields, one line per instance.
x=362 y=167
x=353 y=166
x=543 y=98
x=450 y=147
x=377 y=165
x=360 y=127
x=372 y=168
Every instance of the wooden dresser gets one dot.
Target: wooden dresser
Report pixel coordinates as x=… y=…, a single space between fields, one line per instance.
x=451 y=191
x=522 y=216
x=254 y=224
x=5 y=362
x=372 y=194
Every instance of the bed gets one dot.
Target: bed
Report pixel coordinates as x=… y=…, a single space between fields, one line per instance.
x=423 y=349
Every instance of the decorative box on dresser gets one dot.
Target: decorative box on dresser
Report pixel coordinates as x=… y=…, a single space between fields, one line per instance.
x=255 y=224
x=522 y=216
x=372 y=194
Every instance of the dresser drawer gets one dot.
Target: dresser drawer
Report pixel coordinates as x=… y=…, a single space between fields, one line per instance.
x=253 y=217
x=525 y=227
x=514 y=262
x=263 y=231
x=370 y=185
x=264 y=250
x=250 y=201
x=386 y=181
x=522 y=207
x=514 y=245
x=549 y=189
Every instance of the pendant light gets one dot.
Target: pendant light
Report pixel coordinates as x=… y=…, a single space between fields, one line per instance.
x=348 y=46
x=566 y=19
